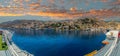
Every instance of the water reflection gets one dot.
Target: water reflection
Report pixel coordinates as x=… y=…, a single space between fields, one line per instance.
x=58 y=43
x=76 y=33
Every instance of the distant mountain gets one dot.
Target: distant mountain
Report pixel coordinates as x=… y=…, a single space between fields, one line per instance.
x=113 y=19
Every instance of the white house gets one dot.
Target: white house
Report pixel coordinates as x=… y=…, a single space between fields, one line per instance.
x=113 y=34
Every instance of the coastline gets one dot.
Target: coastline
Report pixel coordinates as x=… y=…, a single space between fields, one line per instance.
x=86 y=24
x=13 y=49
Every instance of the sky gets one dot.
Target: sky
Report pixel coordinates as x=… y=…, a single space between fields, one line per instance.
x=66 y=4
x=38 y=5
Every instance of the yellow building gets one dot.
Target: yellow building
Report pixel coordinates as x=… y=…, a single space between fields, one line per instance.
x=118 y=27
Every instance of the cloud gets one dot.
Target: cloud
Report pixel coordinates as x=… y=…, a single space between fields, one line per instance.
x=116 y=3
x=47 y=12
x=34 y=4
x=104 y=0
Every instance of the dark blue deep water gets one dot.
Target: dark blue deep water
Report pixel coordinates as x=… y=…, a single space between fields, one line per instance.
x=58 y=43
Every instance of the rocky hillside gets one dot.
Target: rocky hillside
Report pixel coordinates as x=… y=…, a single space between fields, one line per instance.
x=78 y=24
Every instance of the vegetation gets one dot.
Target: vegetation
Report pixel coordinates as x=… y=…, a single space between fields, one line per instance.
x=0 y=41
x=77 y=24
x=3 y=45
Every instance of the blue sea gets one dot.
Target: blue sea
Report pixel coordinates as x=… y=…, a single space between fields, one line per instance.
x=58 y=43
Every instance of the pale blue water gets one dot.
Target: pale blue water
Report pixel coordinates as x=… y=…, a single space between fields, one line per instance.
x=57 y=43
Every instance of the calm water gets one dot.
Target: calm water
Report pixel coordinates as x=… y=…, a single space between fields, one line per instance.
x=58 y=43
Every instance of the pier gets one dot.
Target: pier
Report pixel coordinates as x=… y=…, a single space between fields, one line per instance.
x=111 y=49
x=12 y=50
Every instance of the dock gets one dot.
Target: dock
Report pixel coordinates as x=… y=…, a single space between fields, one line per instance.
x=13 y=50
x=113 y=48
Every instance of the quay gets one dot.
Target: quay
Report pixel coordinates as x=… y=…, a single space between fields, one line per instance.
x=13 y=50
x=113 y=48
x=112 y=45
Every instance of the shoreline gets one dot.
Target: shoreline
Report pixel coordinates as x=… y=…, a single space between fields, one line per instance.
x=13 y=48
